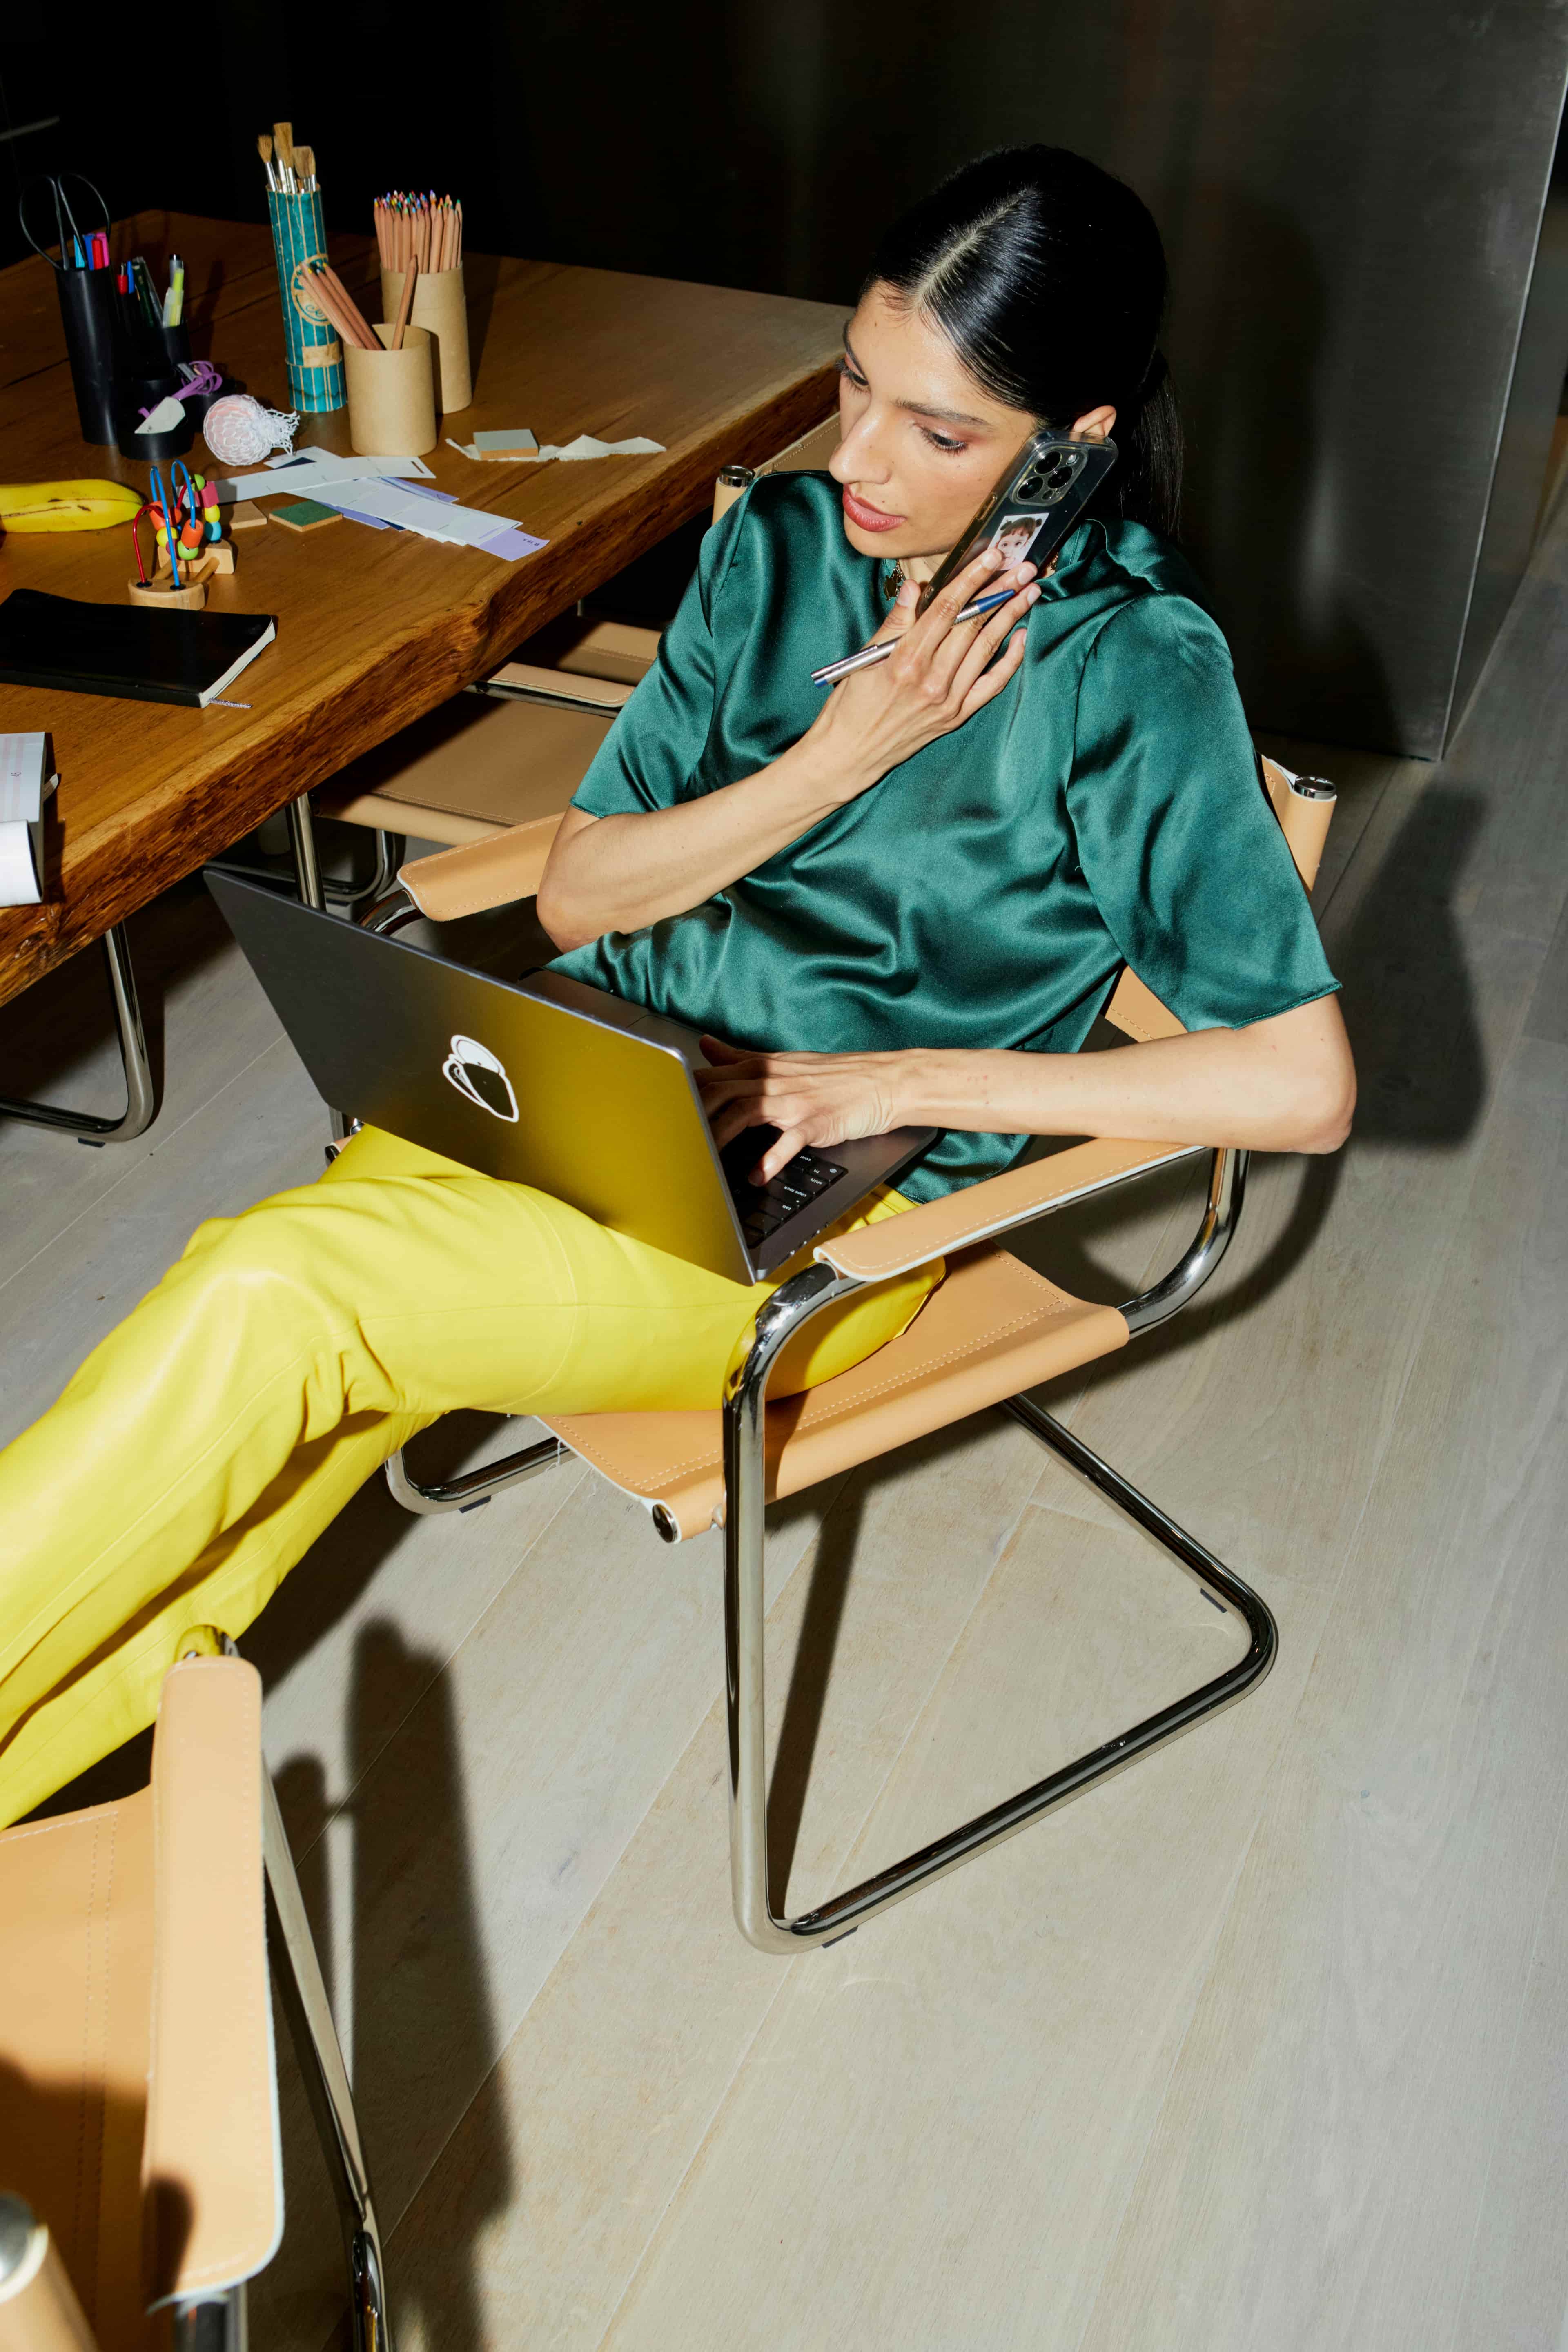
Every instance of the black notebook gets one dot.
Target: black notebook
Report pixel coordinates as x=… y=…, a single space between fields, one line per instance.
x=125 y=649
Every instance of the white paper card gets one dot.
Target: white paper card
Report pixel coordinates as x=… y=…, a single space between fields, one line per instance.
x=282 y=477
x=585 y=445
x=23 y=794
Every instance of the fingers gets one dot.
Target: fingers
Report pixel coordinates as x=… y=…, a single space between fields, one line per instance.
x=779 y=1155
x=989 y=636
x=716 y=1050
x=990 y=682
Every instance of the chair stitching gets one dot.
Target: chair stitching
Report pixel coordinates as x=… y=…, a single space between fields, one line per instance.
x=706 y=1459
x=66 y=1822
x=221 y=2266
x=84 y=2286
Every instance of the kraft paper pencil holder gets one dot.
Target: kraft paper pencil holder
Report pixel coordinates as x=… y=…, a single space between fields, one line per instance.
x=440 y=308
x=315 y=354
x=392 y=395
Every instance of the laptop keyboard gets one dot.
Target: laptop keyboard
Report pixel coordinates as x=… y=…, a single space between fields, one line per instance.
x=762 y=1209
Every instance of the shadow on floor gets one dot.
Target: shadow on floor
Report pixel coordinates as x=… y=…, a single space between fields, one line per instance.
x=420 y=2009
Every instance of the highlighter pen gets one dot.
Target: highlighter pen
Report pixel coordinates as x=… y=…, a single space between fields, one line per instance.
x=869 y=656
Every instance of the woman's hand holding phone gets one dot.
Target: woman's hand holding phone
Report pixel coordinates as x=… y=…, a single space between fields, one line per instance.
x=944 y=671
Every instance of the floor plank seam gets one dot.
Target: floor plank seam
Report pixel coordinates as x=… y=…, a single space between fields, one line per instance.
x=1221 y=1915
x=722 y=2100
x=1505 y=2074
x=137 y=1164
x=341 y=1805
x=516 y=2025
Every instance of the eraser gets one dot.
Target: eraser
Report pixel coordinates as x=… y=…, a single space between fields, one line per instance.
x=305 y=514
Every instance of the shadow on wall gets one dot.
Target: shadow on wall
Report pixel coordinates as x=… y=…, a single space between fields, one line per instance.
x=1262 y=507
x=1420 y=1064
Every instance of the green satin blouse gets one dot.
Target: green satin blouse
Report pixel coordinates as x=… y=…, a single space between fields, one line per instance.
x=1105 y=808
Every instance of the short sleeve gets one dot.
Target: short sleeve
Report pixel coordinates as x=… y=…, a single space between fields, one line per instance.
x=650 y=755
x=1178 y=845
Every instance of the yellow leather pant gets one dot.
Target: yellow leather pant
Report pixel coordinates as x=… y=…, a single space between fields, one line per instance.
x=206 y=1445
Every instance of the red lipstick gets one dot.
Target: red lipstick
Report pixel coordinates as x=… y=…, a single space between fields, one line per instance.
x=865 y=517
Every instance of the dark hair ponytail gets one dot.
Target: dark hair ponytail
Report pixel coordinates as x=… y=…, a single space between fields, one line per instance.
x=1048 y=278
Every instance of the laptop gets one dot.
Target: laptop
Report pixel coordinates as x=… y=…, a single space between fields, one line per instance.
x=543 y=1081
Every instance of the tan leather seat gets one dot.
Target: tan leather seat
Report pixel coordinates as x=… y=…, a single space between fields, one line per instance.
x=991 y=1331
x=138 y=2091
x=511 y=754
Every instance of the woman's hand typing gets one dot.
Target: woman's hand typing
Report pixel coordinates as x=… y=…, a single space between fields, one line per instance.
x=811 y=1098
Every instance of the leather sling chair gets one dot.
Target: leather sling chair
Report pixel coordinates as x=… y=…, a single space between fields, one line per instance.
x=991 y=1331
x=510 y=750
x=140 y=2165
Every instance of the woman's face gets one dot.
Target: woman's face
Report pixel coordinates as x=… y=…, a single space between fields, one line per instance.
x=923 y=444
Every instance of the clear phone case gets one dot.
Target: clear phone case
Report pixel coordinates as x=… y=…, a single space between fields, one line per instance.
x=1034 y=505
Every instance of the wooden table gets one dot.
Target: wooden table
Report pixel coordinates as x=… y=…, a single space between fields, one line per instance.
x=374 y=627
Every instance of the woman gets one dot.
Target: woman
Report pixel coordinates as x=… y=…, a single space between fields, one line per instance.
x=905 y=903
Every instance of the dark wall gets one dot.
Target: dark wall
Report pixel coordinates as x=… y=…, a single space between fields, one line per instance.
x=1350 y=191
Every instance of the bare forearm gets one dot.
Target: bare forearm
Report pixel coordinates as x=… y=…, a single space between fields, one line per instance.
x=623 y=873
x=1243 y=1086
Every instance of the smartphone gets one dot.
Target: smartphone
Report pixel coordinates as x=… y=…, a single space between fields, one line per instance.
x=1033 y=506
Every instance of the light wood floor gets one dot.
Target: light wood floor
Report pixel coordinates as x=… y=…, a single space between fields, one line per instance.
x=1265 y=2045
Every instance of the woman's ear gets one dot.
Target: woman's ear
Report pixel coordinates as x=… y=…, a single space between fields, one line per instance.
x=1094 y=424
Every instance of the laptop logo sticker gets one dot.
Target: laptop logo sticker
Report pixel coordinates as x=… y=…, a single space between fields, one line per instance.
x=474 y=1071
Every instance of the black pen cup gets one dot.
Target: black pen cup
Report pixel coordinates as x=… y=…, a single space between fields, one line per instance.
x=139 y=392
x=89 y=314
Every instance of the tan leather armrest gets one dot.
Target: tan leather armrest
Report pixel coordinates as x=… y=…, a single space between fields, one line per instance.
x=1305 y=808
x=212 y=2160
x=39 y=2306
x=494 y=872
x=563 y=685
x=981 y=1211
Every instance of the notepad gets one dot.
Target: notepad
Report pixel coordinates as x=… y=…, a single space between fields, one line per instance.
x=129 y=650
x=24 y=792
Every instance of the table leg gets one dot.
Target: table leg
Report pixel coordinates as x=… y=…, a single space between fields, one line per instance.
x=140 y=1102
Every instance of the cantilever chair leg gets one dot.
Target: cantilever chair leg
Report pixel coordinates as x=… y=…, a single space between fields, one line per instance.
x=213 y=2323
x=327 y=2083
x=745 y=1402
x=140 y=1101
x=474 y=1488
x=745 y=1624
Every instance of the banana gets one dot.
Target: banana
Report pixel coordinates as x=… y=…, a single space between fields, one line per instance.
x=67 y=506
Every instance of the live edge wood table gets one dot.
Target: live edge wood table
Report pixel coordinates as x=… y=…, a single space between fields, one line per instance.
x=375 y=628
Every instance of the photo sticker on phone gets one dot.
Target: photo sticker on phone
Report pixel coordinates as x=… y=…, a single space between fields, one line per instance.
x=1015 y=535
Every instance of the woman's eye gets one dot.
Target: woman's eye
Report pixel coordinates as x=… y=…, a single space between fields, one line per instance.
x=941 y=441
x=849 y=376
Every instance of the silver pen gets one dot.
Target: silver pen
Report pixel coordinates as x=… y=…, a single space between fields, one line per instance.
x=869 y=656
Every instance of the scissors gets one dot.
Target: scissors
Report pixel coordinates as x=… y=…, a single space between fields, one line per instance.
x=85 y=244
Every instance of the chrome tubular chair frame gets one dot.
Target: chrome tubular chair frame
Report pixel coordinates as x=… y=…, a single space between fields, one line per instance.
x=310 y=2016
x=745 y=1610
x=140 y=1101
x=314 y=891
x=310 y=2013
x=744 y=1406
